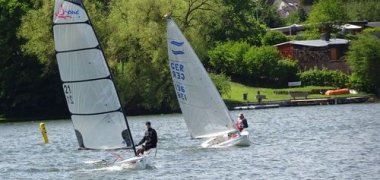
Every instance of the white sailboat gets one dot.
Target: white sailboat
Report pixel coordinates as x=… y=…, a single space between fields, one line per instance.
x=96 y=112
x=204 y=111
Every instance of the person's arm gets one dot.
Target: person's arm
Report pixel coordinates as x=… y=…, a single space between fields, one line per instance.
x=142 y=141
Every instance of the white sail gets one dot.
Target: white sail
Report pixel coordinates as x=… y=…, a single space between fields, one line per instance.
x=91 y=96
x=203 y=109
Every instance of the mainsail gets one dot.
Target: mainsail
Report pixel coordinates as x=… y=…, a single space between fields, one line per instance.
x=203 y=109
x=91 y=96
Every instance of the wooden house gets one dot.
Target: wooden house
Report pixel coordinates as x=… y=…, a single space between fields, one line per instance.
x=317 y=53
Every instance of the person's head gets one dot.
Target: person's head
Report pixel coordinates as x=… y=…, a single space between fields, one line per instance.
x=147 y=124
x=241 y=116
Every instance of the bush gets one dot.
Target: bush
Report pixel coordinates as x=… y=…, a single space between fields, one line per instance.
x=274 y=37
x=323 y=77
x=261 y=61
x=364 y=60
x=286 y=71
x=254 y=65
x=359 y=10
x=372 y=30
x=222 y=83
x=227 y=58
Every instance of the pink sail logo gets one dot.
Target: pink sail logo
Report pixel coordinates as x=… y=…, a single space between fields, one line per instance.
x=66 y=14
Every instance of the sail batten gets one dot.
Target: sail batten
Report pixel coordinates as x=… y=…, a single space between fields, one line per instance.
x=95 y=47
x=90 y=92
x=90 y=114
x=203 y=109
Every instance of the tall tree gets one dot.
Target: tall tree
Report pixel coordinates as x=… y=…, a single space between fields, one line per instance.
x=137 y=46
x=12 y=89
x=359 y=10
x=239 y=23
x=39 y=89
x=328 y=11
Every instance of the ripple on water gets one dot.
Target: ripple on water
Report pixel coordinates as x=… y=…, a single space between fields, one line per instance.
x=319 y=142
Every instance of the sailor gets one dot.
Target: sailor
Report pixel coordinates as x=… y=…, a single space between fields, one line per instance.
x=150 y=139
x=241 y=123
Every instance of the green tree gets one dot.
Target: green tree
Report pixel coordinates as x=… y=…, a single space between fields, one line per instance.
x=274 y=37
x=328 y=11
x=296 y=17
x=268 y=15
x=364 y=60
x=324 y=15
x=25 y=89
x=38 y=36
x=239 y=23
x=137 y=47
x=359 y=10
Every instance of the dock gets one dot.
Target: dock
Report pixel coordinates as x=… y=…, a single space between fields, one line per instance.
x=298 y=102
x=258 y=106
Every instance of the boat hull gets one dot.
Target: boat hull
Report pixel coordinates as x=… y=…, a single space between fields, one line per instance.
x=140 y=162
x=134 y=163
x=225 y=141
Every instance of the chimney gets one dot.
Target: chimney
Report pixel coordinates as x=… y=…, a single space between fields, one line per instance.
x=326 y=36
x=326 y=29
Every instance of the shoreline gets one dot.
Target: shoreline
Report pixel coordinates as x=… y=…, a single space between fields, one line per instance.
x=235 y=106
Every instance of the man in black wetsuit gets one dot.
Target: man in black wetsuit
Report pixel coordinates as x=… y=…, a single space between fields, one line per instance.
x=150 y=139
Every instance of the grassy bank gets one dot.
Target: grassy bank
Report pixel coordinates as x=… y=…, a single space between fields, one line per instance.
x=237 y=91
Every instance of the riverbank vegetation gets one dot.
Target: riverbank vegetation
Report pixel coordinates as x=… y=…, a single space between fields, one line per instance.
x=230 y=37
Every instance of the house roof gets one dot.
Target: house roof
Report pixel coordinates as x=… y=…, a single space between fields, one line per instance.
x=350 y=27
x=284 y=7
x=373 y=24
x=292 y=1
x=316 y=43
x=287 y=28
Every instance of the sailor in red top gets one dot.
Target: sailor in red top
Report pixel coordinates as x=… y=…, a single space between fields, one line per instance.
x=241 y=123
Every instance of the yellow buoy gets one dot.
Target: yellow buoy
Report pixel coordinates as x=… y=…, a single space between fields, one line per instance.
x=44 y=133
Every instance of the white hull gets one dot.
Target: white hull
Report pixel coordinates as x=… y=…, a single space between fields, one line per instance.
x=140 y=162
x=225 y=141
x=135 y=163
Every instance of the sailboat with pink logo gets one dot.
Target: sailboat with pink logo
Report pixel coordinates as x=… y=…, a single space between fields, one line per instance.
x=96 y=111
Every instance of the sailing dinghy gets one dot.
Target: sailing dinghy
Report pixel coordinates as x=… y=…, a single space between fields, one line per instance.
x=203 y=109
x=96 y=112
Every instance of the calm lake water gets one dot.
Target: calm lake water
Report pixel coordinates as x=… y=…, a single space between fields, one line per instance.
x=316 y=142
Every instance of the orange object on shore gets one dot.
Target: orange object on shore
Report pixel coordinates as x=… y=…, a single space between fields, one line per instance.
x=337 y=92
